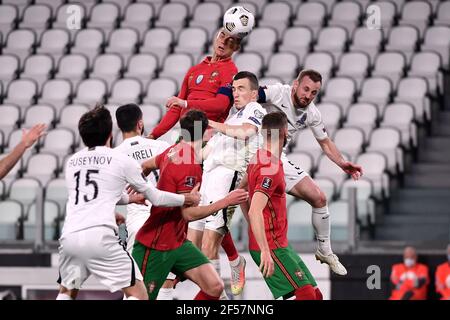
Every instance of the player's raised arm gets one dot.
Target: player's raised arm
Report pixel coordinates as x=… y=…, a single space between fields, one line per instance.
x=256 y=220
x=241 y=132
x=233 y=198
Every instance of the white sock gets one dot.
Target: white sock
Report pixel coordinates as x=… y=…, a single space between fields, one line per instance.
x=63 y=296
x=235 y=262
x=165 y=294
x=321 y=224
x=216 y=264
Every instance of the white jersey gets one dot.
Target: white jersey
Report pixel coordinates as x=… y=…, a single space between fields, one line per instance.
x=280 y=96
x=231 y=152
x=96 y=179
x=142 y=149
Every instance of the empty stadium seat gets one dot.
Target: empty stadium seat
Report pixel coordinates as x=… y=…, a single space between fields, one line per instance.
x=346 y=15
x=367 y=41
x=404 y=39
x=159 y=90
x=350 y=141
x=376 y=90
x=56 y=92
x=173 y=16
x=9 y=68
x=327 y=186
x=138 y=16
x=90 y=92
x=340 y=91
x=158 y=42
x=39 y=114
x=442 y=14
x=104 y=16
x=8 y=18
x=88 y=42
x=249 y=61
x=14 y=172
x=71 y=114
x=331 y=116
x=363 y=116
x=59 y=142
x=175 y=66
x=276 y=15
x=416 y=13
x=375 y=169
x=388 y=13
x=151 y=115
x=10 y=118
x=123 y=42
x=339 y=220
x=311 y=15
x=21 y=92
x=73 y=67
x=39 y=68
x=427 y=64
x=12 y=212
x=64 y=14
x=297 y=40
x=125 y=91
x=54 y=42
x=192 y=41
x=107 y=67
x=21 y=5
x=390 y=65
x=51 y=215
x=299 y=221
x=322 y=62
x=35 y=169
x=437 y=38
x=328 y=169
x=37 y=18
x=142 y=67
x=53 y=4
x=388 y=141
x=305 y=141
x=354 y=65
x=365 y=205
x=283 y=65
x=207 y=16
x=20 y=43
x=262 y=40
x=25 y=191
x=401 y=117
x=414 y=91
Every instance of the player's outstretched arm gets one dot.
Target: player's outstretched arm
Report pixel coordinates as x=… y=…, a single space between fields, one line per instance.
x=233 y=198
x=149 y=165
x=28 y=139
x=241 y=132
x=332 y=152
x=256 y=219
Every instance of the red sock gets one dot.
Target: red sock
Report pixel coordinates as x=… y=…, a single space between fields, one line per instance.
x=228 y=246
x=305 y=293
x=203 y=296
x=319 y=295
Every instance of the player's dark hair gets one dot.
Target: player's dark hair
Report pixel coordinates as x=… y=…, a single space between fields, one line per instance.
x=273 y=122
x=192 y=124
x=310 y=73
x=254 y=85
x=95 y=126
x=128 y=116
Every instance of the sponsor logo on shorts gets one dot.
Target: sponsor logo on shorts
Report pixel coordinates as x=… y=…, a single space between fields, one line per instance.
x=190 y=182
x=267 y=182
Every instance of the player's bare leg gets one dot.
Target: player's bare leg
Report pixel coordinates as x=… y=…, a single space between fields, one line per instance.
x=136 y=292
x=195 y=236
x=67 y=294
x=308 y=190
x=210 y=247
x=206 y=277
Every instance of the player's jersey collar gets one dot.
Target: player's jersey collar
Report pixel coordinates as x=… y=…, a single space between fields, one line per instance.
x=207 y=60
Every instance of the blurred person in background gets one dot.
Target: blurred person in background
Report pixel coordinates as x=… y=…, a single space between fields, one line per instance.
x=443 y=278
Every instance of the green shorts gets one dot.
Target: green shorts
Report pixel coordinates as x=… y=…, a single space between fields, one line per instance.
x=290 y=272
x=155 y=265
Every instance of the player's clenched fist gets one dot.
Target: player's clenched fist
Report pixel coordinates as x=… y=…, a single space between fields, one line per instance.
x=193 y=198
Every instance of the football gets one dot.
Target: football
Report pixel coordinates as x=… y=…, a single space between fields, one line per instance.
x=238 y=21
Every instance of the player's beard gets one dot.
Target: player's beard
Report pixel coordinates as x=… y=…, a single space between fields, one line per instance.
x=298 y=103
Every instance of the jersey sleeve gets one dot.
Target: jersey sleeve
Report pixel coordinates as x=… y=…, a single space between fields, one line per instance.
x=317 y=126
x=270 y=93
x=265 y=182
x=254 y=115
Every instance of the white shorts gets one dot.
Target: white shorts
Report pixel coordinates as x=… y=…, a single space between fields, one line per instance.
x=96 y=251
x=134 y=223
x=216 y=184
x=293 y=173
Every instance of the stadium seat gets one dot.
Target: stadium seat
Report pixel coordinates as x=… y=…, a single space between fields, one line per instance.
x=299 y=221
x=354 y=65
x=138 y=16
x=328 y=169
x=363 y=116
x=416 y=13
x=437 y=38
x=332 y=40
x=391 y=65
x=88 y=4
x=173 y=16
x=35 y=169
x=375 y=169
x=388 y=142
x=442 y=14
x=159 y=90
x=53 y=4
x=59 y=142
x=54 y=42
x=73 y=67
x=339 y=220
x=401 y=116
x=56 y=92
x=142 y=67
x=63 y=17
x=404 y=39
x=297 y=40
x=283 y=65
x=8 y=18
x=9 y=68
x=340 y=91
x=70 y=115
x=367 y=41
x=88 y=42
x=207 y=16
x=365 y=205
x=311 y=15
x=192 y=41
x=51 y=216
x=350 y=141
x=121 y=4
x=107 y=67
x=37 y=18
x=2 y=190
x=10 y=118
x=263 y=41
x=388 y=13
x=40 y=113
x=157 y=4
x=20 y=43
x=12 y=212
x=305 y=141
x=191 y=5
x=376 y=90
x=175 y=66
x=21 y=5
x=125 y=90
x=90 y=92
x=123 y=42
x=158 y=41
x=14 y=139
x=38 y=67
x=346 y=15
x=302 y=159
x=276 y=15
x=25 y=191
x=427 y=64
x=21 y=92
x=414 y=91
x=331 y=116
x=104 y=16
x=249 y=61
x=14 y=172
x=322 y=62
x=151 y=115
x=226 y=4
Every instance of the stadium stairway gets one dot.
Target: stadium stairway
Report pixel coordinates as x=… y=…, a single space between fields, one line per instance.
x=420 y=210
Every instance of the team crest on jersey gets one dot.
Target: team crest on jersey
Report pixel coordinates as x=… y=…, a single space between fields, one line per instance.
x=199 y=79
x=151 y=286
x=240 y=113
x=259 y=114
x=301 y=122
x=267 y=183
x=213 y=75
x=190 y=182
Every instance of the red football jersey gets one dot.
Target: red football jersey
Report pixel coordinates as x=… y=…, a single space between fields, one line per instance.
x=166 y=228
x=266 y=175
